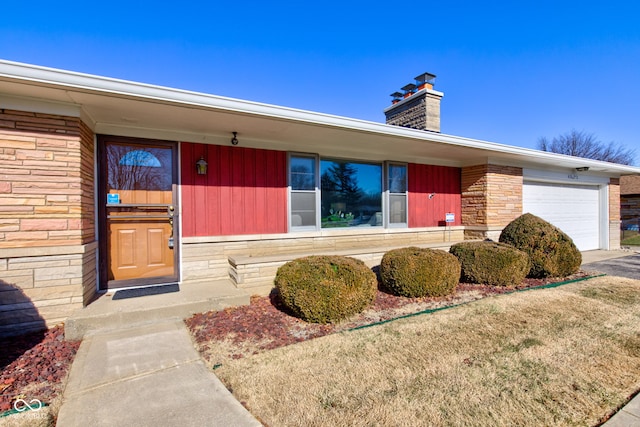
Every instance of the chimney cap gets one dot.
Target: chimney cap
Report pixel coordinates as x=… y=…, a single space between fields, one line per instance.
x=426 y=77
x=396 y=94
x=409 y=87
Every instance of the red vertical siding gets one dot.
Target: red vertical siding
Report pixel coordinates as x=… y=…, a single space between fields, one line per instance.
x=444 y=183
x=244 y=191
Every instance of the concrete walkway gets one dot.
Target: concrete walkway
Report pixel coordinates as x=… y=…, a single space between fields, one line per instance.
x=149 y=375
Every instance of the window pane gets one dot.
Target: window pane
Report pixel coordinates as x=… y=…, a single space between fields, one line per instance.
x=303 y=173
x=397 y=209
x=303 y=209
x=397 y=178
x=351 y=194
x=133 y=167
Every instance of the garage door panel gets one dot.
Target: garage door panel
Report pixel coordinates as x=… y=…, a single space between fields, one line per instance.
x=575 y=209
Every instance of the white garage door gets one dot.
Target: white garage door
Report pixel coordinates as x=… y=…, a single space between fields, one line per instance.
x=575 y=209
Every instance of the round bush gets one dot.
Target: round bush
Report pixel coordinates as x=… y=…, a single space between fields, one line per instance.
x=416 y=272
x=552 y=252
x=491 y=263
x=325 y=289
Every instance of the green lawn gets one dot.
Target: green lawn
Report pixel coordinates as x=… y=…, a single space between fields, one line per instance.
x=632 y=241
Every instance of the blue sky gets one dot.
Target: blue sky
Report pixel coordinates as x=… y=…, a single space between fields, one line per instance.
x=511 y=71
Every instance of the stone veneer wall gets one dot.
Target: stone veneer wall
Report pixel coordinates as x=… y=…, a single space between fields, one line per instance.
x=47 y=231
x=491 y=198
x=206 y=258
x=614 y=213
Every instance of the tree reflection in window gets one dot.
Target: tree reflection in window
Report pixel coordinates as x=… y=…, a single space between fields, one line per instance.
x=351 y=194
x=138 y=168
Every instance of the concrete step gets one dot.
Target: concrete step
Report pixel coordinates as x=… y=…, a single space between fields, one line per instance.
x=106 y=314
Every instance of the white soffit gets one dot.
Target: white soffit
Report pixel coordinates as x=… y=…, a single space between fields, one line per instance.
x=136 y=109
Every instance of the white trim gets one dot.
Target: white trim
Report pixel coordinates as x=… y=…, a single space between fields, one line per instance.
x=39 y=106
x=386 y=200
x=570 y=177
x=604 y=217
x=127 y=288
x=179 y=210
x=316 y=192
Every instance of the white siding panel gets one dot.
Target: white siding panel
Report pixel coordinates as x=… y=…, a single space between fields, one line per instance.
x=575 y=209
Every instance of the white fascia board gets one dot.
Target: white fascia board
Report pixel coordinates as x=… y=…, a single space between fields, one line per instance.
x=40 y=106
x=20 y=72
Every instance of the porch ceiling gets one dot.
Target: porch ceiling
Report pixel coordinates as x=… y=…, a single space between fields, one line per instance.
x=133 y=109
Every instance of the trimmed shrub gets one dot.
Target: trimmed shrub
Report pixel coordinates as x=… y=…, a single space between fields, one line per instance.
x=552 y=252
x=491 y=263
x=416 y=272
x=325 y=289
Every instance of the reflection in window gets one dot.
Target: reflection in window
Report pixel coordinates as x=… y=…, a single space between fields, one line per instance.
x=397 y=187
x=133 y=168
x=139 y=158
x=351 y=194
x=302 y=179
x=303 y=173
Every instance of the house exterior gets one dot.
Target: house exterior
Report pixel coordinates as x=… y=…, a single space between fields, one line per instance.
x=630 y=202
x=107 y=184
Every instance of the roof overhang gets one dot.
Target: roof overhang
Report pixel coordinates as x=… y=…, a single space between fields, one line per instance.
x=118 y=107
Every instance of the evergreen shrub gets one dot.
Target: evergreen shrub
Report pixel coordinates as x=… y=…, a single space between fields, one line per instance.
x=326 y=289
x=416 y=272
x=551 y=251
x=491 y=263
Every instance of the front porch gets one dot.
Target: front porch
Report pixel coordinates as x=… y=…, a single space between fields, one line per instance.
x=236 y=268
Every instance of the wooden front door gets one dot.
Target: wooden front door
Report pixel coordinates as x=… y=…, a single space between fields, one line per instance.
x=139 y=212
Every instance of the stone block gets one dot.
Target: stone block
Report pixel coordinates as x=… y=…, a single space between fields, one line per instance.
x=51 y=302
x=58 y=312
x=57 y=282
x=33 y=263
x=21 y=279
x=56 y=273
x=53 y=292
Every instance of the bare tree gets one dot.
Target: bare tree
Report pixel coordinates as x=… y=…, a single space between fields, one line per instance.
x=587 y=145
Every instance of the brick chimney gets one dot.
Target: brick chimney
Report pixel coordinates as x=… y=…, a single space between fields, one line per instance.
x=417 y=106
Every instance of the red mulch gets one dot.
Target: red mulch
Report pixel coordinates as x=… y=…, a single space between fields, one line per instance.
x=34 y=365
x=265 y=324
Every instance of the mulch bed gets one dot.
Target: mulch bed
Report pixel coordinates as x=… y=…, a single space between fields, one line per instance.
x=34 y=366
x=265 y=324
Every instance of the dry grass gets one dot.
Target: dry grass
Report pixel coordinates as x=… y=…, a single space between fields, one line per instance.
x=562 y=356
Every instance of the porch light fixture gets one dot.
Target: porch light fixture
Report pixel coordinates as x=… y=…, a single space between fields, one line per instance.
x=234 y=140
x=583 y=169
x=201 y=166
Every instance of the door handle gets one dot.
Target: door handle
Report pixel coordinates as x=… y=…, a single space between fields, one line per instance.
x=170 y=211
